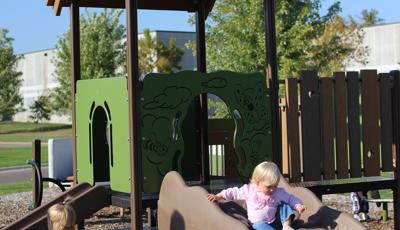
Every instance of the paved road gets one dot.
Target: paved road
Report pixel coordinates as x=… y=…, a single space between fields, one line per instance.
x=19 y=174
x=18 y=144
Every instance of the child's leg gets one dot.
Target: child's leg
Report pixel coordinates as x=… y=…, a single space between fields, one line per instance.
x=285 y=215
x=261 y=225
x=355 y=200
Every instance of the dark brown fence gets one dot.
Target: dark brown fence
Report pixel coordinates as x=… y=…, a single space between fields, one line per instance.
x=337 y=127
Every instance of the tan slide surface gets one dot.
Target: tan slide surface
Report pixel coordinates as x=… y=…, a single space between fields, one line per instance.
x=186 y=208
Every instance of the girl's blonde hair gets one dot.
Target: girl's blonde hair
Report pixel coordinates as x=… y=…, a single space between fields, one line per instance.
x=266 y=170
x=62 y=217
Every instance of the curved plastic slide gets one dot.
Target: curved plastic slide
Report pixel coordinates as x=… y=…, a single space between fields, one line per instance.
x=85 y=199
x=181 y=208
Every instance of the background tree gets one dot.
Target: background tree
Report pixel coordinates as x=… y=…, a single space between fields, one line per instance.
x=103 y=54
x=10 y=80
x=218 y=110
x=40 y=109
x=370 y=18
x=305 y=40
x=156 y=56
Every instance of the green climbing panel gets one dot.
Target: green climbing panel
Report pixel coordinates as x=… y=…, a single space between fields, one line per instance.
x=165 y=101
x=102 y=132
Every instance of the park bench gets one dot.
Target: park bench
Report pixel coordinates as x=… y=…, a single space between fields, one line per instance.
x=341 y=133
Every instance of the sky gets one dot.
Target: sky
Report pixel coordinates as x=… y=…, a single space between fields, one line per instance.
x=34 y=27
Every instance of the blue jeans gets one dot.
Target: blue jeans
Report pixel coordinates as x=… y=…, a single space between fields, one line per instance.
x=283 y=214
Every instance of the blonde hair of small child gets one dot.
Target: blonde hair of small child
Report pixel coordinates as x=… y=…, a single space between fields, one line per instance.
x=62 y=217
x=266 y=171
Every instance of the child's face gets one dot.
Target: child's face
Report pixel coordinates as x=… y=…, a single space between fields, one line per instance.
x=266 y=187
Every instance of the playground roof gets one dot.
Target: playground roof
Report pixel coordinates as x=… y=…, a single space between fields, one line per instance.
x=178 y=5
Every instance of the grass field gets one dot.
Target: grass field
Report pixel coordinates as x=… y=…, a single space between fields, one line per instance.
x=7 y=127
x=26 y=132
x=24 y=186
x=19 y=156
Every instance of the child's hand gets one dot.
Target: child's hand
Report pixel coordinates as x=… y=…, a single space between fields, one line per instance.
x=300 y=208
x=214 y=197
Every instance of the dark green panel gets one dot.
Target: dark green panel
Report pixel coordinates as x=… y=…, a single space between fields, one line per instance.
x=165 y=102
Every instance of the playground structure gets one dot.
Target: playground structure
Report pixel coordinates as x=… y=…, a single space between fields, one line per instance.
x=103 y=141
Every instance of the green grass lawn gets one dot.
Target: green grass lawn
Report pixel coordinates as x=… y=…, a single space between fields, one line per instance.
x=19 y=156
x=26 y=132
x=29 y=136
x=24 y=186
x=7 y=127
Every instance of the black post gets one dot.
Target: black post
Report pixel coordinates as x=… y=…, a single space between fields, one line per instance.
x=134 y=114
x=396 y=141
x=35 y=182
x=272 y=73
x=201 y=67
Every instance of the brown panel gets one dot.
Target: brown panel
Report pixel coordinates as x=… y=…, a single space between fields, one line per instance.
x=292 y=117
x=285 y=146
x=386 y=121
x=327 y=127
x=311 y=125
x=341 y=126
x=370 y=126
x=353 y=107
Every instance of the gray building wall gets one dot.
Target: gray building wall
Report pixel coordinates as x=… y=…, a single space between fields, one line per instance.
x=38 y=71
x=383 y=42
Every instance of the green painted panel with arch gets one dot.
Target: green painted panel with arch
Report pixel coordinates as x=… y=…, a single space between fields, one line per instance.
x=164 y=105
x=102 y=132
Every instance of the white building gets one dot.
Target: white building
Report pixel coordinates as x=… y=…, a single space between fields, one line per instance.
x=38 y=71
x=383 y=42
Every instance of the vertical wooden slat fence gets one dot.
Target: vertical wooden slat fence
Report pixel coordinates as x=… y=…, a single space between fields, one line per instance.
x=310 y=118
x=353 y=109
x=292 y=119
x=370 y=125
x=327 y=128
x=338 y=141
x=385 y=86
x=341 y=125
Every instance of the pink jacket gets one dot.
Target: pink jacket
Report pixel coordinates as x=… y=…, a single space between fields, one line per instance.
x=259 y=205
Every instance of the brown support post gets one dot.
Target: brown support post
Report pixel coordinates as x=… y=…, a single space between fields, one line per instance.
x=396 y=141
x=134 y=114
x=201 y=67
x=272 y=73
x=75 y=75
x=36 y=158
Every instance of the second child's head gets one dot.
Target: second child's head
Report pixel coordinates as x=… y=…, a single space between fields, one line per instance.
x=266 y=176
x=61 y=217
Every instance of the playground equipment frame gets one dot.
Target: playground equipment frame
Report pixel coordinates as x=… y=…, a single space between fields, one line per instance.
x=201 y=9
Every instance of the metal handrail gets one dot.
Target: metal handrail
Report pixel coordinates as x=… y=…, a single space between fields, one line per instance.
x=39 y=181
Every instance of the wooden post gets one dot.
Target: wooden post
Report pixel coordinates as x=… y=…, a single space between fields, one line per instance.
x=134 y=114
x=396 y=140
x=272 y=73
x=75 y=75
x=201 y=67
